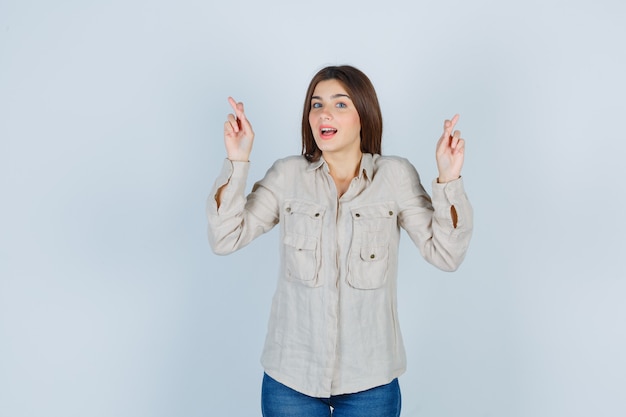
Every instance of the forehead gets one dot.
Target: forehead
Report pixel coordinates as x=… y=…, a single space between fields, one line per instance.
x=328 y=88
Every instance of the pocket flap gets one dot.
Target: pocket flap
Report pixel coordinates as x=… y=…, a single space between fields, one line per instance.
x=379 y=210
x=314 y=211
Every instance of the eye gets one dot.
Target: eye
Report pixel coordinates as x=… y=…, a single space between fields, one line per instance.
x=341 y=105
x=316 y=105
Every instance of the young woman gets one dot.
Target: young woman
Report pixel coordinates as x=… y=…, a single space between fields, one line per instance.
x=333 y=343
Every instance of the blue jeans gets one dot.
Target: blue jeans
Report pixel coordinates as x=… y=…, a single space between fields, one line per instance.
x=278 y=400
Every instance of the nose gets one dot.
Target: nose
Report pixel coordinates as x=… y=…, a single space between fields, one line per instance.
x=325 y=115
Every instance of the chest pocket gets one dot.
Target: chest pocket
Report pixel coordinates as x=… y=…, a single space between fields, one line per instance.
x=302 y=250
x=373 y=227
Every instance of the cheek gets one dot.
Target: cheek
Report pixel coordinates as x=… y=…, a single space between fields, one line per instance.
x=311 y=121
x=356 y=122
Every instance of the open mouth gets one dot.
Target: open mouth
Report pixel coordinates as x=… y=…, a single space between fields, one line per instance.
x=327 y=132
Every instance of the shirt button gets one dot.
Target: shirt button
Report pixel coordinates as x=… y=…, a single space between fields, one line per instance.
x=391 y=213
x=317 y=214
x=357 y=215
x=288 y=209
x=372 y=256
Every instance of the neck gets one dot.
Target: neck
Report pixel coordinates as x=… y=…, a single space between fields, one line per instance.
x=345 y=167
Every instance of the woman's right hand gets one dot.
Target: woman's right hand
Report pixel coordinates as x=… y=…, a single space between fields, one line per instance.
x=238 y=134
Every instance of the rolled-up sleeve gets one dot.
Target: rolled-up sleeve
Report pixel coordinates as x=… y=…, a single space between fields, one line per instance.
x=239 y=219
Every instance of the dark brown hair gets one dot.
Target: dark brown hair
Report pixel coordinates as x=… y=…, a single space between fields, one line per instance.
x=363 y=95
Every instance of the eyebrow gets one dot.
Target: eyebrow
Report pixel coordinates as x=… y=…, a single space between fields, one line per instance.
x=334 y=96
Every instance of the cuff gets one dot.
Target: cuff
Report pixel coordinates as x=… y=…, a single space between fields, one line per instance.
x=449 y=193
x=232 y=171
x=234 y=175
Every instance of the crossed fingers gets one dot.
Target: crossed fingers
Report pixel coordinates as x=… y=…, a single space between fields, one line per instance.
x=450 y=137
x=233 y=122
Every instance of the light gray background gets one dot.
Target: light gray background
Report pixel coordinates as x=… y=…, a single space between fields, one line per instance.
x=111 y=117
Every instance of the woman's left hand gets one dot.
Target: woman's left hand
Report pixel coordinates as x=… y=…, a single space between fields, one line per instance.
x=450 y=152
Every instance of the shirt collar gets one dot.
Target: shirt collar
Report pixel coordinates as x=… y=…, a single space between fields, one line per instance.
x=316 y=164
x=367 y=165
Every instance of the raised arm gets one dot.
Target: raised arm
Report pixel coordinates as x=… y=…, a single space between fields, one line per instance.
x=442 y=226
x=234 y=218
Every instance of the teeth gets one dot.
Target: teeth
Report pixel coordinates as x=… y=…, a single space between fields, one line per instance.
x=328 y=129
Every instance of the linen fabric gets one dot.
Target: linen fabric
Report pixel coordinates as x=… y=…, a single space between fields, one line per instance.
x=333 y=326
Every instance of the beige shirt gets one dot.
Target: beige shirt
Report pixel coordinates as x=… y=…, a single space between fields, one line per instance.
x=333 y=326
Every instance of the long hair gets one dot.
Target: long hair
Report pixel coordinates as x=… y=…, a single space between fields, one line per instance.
x=363 y=95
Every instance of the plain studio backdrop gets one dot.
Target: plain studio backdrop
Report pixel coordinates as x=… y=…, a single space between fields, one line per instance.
x=111 y=122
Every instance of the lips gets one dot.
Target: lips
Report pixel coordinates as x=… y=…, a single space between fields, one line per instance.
x=327 y=132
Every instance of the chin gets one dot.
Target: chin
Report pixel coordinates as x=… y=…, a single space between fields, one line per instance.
x=323 y=145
